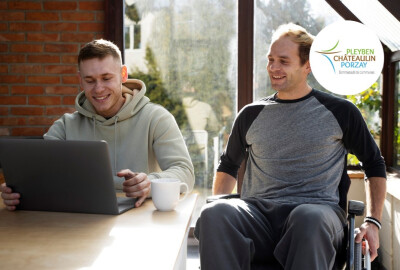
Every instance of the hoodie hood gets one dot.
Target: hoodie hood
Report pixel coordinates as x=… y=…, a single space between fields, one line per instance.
x=134 y=92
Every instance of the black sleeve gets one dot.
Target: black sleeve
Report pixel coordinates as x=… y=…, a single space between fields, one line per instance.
x=357 y=138
x=236 y=147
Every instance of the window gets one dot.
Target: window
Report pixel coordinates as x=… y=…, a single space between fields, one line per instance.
x=396 y=143
x=188 y=62
x=269 y=14
x=250 y=82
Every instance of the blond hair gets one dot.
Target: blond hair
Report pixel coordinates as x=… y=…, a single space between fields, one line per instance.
x=298 y=35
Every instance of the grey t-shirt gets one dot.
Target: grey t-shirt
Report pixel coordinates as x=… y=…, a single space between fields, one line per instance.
x=297 y=148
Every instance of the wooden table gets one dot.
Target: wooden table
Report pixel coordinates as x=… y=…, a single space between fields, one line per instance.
x=142 y=238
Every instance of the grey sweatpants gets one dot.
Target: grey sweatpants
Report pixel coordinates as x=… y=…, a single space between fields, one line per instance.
x=258 y=234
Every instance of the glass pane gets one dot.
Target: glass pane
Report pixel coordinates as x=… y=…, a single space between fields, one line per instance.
x=386 y=26
x=188 y=60
x=396 y=150
x=127 y=37
x=369 y=103
x=313 y=15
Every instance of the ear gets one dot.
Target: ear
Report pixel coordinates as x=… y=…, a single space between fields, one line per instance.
x=80 y=79
x=124 y=73
x=308 y=67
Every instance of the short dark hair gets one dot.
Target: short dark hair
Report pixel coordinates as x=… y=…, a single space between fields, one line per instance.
x=99 y=48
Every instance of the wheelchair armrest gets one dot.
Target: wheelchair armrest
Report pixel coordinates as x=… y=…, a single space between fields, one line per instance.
x=222 y=196
x=356 y=208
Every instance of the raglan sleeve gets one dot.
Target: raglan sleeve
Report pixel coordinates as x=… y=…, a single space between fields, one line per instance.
x=236 y=147
x=358 y=141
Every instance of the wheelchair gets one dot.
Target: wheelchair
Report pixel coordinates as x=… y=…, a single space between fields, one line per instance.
x=351 y=255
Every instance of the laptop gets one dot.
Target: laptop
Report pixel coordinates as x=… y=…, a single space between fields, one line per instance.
x=62 y=176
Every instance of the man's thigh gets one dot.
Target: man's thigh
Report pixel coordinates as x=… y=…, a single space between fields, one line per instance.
x=311 y=229
x=242 y=221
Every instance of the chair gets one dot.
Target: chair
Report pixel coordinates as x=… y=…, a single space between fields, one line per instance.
x=351 y=253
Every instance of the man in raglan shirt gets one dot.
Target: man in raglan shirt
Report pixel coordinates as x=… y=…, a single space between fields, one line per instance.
x=290 y=214
x=143 y=138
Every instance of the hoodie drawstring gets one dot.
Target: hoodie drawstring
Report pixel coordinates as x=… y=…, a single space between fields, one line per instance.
x=115 y=143
x=94 y=126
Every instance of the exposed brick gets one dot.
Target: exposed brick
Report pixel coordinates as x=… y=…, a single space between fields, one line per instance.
x=25 y=27
x=61 y=48
x=99 y=36
x=3 y=47
x=68 y=100
x=12 y=121
x=3 y=69
x=3 y=5
x=11 y=16
x=99 y=16
x=44 y=100
x=60 y=26
x=60 y=69
x=42 y=16
x=12 y=58
x=25 y=5
x=55 y=5
x=78 y=16
x=3 y=26
x=69 y=59
x=12 y=37
x=61 y=90
x=91 y=27
x=27 y=90
x=3 y=89
x=77 y=37
x=44 y=79
x=70 y=79
x=24 y=68
x=12 y=79
x=28 y=131
x=40 y=121
x=90 y=5
x=49 y=37
x=43 y=58
x=4 y=110
x=12 y=100
x=27 y=110
x=59 y=110
x=26 y=47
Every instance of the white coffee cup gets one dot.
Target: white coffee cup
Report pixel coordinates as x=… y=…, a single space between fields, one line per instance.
x=165 y=193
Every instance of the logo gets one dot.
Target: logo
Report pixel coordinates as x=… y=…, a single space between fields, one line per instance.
x=346 y=57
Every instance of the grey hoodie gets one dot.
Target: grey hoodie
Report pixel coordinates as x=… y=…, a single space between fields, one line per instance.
x=142 y=136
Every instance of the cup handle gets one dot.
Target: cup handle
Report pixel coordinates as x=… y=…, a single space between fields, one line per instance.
x=186 y=191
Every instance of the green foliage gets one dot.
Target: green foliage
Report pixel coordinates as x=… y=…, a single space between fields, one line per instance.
x=157 y=92
x=132 y=13
x=368 y=102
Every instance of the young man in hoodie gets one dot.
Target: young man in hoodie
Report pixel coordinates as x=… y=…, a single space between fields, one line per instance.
x=144 y=139
x=290 y=215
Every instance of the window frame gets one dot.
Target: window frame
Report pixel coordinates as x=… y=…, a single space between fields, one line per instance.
x=114 y=10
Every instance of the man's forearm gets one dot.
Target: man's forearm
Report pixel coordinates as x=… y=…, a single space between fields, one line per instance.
x=375 y=188
x=223 y=183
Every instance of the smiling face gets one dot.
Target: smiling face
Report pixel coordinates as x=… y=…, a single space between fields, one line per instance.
x=286 y=73
x=101 y=80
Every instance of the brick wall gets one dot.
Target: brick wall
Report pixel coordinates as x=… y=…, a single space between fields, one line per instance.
x=39 y=43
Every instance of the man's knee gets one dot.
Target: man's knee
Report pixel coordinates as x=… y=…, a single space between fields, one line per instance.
x=215 y=215
x=309 y=219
